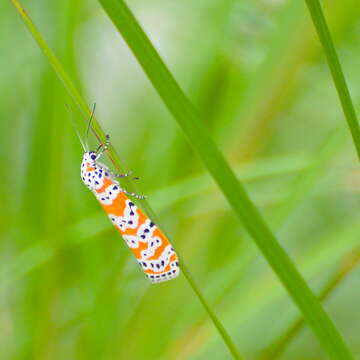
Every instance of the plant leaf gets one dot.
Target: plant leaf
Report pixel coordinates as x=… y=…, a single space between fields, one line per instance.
x=199 y=137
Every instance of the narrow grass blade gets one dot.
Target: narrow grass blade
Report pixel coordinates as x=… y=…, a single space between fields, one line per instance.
x=99 y=133
x=277 y=349
x=49 y=54
x=323 y=32
x=226 y=337
x=199 y=138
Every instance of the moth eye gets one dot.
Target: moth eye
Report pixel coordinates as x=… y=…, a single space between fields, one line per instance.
x=93 y=157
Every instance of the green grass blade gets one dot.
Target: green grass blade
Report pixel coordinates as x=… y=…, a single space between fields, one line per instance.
x=323 y=32
x=224 y=334
x=99 y=133
x=350 y=262
x=199 y=138
x=56 y=65
x=70 y=87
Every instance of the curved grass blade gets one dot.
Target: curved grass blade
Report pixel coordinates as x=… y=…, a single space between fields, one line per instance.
x=323 y=32
x=100 y=135
x=199 y=138
x=350 y=262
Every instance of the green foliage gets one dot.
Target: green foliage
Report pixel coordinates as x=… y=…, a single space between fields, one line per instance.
x=235 y=193
x=79 y=101
x=336 y=71
x=256 y=73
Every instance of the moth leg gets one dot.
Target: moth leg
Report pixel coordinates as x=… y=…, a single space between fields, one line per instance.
x=100 y=150
x=127 y=174
x=113 y=175
x=136 y=196
x=103 y=147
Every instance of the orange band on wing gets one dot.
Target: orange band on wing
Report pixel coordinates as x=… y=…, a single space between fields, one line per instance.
x=150 y=247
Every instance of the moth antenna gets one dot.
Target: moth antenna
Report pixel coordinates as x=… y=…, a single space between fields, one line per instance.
x=81 y=141
x=89 y=126
x=75 y=129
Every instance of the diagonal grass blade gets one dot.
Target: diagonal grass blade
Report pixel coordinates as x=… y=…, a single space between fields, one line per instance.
x=99 y=133
x=199 y=138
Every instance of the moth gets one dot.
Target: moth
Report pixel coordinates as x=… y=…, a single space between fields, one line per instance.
x=147 y=242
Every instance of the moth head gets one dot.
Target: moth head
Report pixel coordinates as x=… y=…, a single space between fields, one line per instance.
x=90 y=156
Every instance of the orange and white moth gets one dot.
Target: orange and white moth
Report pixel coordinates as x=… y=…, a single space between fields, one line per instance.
x=149 y=245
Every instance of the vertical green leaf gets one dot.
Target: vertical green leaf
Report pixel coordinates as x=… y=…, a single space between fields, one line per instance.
x=323 y=32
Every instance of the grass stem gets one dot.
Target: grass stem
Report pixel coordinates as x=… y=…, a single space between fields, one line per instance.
x=199 y=137
x=99 y=133
x=351 y=260
x=323 y=32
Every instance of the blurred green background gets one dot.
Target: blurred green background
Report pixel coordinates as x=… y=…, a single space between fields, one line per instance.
x=69 y=286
